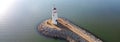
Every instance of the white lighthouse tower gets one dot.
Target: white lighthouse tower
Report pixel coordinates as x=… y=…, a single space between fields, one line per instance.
x=54 y=16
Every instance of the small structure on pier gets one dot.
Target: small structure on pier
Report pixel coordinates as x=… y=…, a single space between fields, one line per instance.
x=54 y=16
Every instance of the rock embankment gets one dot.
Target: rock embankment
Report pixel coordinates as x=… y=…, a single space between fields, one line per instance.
x=66 y=31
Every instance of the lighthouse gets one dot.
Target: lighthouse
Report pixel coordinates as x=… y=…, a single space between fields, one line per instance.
x=54 y=16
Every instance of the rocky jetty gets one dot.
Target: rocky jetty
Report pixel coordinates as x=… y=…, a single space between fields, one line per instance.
x=66 y=30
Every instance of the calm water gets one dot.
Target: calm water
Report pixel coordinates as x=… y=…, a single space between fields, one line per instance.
x=19 y=22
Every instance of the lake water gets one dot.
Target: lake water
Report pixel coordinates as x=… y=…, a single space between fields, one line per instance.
x=20 y=20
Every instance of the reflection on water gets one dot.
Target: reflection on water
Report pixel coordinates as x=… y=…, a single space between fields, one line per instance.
x=19 y=22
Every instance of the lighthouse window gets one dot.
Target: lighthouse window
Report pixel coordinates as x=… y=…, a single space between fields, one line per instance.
x=54 y=9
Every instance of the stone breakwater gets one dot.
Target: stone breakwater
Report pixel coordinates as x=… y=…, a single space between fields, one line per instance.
x=48 y=29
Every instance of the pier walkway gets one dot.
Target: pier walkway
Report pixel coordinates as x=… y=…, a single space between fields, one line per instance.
x=78 y=31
